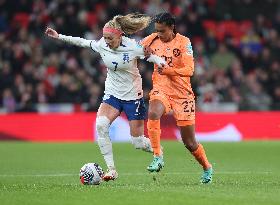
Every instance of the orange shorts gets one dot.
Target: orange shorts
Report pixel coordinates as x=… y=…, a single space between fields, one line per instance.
x=183 y=108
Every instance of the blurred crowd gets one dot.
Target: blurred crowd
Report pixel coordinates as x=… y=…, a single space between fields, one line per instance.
x=236 y=48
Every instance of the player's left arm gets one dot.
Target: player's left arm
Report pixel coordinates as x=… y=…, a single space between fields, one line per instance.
x=187 y=60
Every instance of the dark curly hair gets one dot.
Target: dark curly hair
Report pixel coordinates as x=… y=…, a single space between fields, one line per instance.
x=167 y=19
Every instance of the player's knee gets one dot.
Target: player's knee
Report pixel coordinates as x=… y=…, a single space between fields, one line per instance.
x=191 y=146
x=137 y=131
x=153 y=115
x=102 y=126
x=156 y=110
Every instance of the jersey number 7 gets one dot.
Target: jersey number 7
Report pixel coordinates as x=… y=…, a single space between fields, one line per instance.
x=116 y=65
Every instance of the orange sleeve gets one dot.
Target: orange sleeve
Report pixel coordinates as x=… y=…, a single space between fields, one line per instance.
x=187 y=60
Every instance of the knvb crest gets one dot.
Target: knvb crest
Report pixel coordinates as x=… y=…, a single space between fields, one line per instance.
x=176 y=52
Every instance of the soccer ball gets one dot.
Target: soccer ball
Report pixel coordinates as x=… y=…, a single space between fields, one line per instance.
x=91 y=174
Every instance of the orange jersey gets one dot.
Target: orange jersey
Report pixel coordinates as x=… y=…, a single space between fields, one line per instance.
x=175 y=80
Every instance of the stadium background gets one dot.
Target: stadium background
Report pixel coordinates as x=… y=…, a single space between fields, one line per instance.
x=237 y=67
x=50 y=91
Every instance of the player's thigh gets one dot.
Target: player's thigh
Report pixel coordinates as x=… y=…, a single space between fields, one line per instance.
x=109 y=111
x=158 y=105
x=156 y=109
x=136 y=127
x=135 y=111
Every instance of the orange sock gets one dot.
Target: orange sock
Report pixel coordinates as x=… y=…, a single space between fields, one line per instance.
x=154 y=135
x=200 y=156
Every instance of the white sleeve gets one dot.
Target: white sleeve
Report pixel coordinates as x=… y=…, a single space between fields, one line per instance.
x=138 y=49
x=139 y=52
x=95 y=45
x=77 y=41
x=156 y=59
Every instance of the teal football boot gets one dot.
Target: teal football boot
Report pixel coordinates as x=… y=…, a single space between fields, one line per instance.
x=207 y=176
x=156 y=165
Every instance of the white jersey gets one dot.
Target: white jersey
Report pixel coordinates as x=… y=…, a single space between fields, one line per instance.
x=123 y=78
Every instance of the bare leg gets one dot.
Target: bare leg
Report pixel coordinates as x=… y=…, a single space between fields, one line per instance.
x=197 y=150
x=188 y=137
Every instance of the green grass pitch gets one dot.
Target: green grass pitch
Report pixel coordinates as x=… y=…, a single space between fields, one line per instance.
x=46 y=173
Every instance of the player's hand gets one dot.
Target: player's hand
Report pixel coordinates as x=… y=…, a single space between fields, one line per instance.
x=51 y=33
x=161 y=68
x=148 y=51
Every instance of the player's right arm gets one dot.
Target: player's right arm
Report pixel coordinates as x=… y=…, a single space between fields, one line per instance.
x=77 y=41
x=187 y=68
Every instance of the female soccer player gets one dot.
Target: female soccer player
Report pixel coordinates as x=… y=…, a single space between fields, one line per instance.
x=123 y=85
x=172 y=91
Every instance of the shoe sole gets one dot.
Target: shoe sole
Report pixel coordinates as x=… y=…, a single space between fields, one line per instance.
x=209 y=180
x=106 y=179
x=156 y=170
x=206 y=182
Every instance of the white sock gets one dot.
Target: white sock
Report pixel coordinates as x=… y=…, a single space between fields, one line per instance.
x=142 y=142
x=104 y=142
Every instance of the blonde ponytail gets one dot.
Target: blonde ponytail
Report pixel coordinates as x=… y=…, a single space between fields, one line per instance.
x=130 y=23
